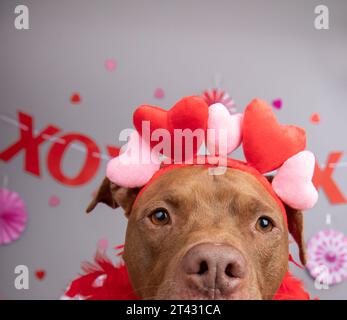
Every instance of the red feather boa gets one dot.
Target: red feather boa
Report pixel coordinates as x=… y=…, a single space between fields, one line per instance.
x=115 y=284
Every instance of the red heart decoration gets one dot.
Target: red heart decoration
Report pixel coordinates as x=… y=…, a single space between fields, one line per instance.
x=75 y=98
x=40 y=274
x=188 y=113
x=267 y=143
x=315 y=118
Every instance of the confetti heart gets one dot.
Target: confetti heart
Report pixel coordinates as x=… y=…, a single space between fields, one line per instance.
x=277 y=103
x=315 y=118
x=75 y=98
x=110 y=64
x=159 y=93
x=40 y=274
x=54 y=201
x=103 y=244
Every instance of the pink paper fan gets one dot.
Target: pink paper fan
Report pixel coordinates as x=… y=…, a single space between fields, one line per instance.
x=212 y=96
x=13 y=216
x=327 y=256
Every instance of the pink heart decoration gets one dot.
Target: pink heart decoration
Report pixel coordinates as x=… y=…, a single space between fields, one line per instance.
x=224 y=133
x=54 y=201
x=293 y=182
x=110 y=64
x=135 y=166
x=159 y=93
x=103 y=244
x=277 y=103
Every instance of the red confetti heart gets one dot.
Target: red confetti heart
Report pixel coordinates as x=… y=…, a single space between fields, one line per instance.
x=75 y=98
x=40 y=274
x=267 y=143
x=315 y=118
x=277 y=103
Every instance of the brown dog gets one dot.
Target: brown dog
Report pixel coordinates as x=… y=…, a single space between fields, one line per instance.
x=192 y=235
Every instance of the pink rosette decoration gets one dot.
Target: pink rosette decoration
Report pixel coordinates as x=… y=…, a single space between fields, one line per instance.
x=215 y=95
x=13 y=216
x=327 y=257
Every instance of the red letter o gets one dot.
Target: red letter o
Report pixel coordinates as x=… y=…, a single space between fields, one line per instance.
x=91 y=164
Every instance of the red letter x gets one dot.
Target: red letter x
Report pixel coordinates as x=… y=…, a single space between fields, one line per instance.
x=29 y=143
x=323 y=178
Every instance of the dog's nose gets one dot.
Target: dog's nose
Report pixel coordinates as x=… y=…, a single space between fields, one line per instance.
x=214 y=268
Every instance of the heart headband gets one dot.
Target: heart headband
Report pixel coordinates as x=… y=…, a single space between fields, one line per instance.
x=267 y=146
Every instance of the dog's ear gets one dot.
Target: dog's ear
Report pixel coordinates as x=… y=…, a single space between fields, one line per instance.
x=296 y=228
x=114 y=196
x=295 y=220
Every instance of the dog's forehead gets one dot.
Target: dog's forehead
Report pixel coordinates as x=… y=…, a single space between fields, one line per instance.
x=193 y=182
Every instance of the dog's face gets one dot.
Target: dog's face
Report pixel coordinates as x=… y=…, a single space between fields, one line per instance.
x=193 y=235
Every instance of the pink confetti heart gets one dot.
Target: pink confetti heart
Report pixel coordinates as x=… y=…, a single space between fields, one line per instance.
x=277 y=103
x=54 y=201
x=159 y=93
x=103 y=244
x=110 y=64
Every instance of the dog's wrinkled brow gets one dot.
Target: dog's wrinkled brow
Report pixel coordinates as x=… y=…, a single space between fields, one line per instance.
x=172 y=200
x=250 y=204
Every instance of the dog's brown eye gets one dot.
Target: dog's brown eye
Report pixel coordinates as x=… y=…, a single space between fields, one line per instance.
x=160 y=217
x=264 y=224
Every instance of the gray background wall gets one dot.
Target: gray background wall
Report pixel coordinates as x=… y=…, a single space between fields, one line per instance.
x=264 y=48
